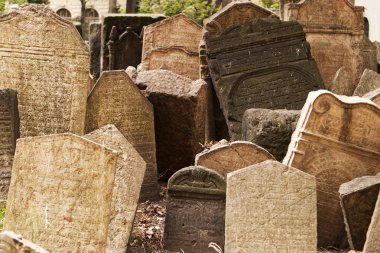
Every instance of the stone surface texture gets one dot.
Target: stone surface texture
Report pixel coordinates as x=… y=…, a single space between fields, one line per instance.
x=262 y=64
x=13 y=243
x=116 y=100
x=172 y=44
x=358 y=199
x=129 y=176
x=195 y=210
x=9 y=133
x=270 y=129
x=180 y=117
x=95 y=45
x=374 y=96
x=342 y=83
x=369 y=81
x=337 y=139
x=225 y=157
x=372 y=245
x=44 y=59
x=270 y=207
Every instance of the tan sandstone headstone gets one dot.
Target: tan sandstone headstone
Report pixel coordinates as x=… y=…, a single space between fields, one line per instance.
x=13 y=243
x=61 y=193
x=172 y=44
x=270 y=207
x=374 y=96
x=226 y=157
x=369 y=81
x=44 y=59
x=372 y=244
x=337 y=139
x=128 y=179
x=342 y=83
x=116 y=100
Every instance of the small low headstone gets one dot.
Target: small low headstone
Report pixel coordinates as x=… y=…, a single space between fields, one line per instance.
x=13 y=243
x=270 y=207
x=225 y=157
x=369 y=81
x=374 y=96
x=372 y=244
x=358 y=199
x=195 y=210
x=270 y=129
x=342 y=83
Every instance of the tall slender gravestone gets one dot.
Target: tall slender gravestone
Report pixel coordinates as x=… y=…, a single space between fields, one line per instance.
x=44 y=59
x=95 y=44
x=172 y=44
x=9 y=133
x=271 y=207
x=115 y=99
x=265 y=63
x=337 y=139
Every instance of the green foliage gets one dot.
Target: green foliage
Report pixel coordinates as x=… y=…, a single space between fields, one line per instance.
x=273 y=5
x=2 y=214
x=38 y=1
x=2 y=6
x=194 y=9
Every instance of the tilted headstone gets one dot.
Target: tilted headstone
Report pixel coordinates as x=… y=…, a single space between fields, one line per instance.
x=172 y=44
x=44 y=59
x=342 y=83
x=358 y=199
x=61 y=194
x=262 y=64
x=372 y=244
x=369 y=81
x=9 y=133
x=116 y=100
x=13 y=243
x=225 y=157
x=270 y=207
x=195 y=210
x=337 y=139
x=335 y=31
x=180 y=117
x=129 y=176
x=374 y=96
x=270 y=129
x=95 y=45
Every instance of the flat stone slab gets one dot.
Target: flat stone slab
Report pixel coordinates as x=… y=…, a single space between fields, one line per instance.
x=13 y=243
x=374 y=96
x=372 y=244
x=342 y=83
x=369 y=81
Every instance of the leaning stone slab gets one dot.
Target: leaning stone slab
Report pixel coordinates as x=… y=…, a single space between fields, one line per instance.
x=225 y=157
x=43 y=58
x=195 y=210
x=342 y=83
x=270 y=129
x=369 y=81
x=61 y=193
x=337 y=139
x=374 y=96
x=13 y=243
x=270 y=207
x=372 y=244
x=116 y=100
x=358 y=199
x=128 y=179
x=94 y=45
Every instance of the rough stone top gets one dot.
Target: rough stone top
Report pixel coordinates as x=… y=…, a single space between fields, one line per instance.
x=358 y=184
x=152 y=15
x=196 y=180
x=373 y=95
x=176 y=18
x=15 y=243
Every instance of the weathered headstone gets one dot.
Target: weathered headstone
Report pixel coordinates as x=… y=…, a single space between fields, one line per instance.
x=172 y=44
x=358 y=199
x=179 y=115
x=61 y=193
x=44 y=59
x=128 y=179
x=270 y=129
x=95 y=45
x=13 y=243
x=225 y=157
x=372 y=244
x=195 y=210
x=335 y=31
x=342 y=83
x=270 y=207
x=374 y=96
x=262 y=64
x=9 y=133
x=337 y=139
x=369 y=81
x=116 y=100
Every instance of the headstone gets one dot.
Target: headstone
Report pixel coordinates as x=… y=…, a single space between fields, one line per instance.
x=337 y=139
x=172 y=44
x=180 y=115
x=374 y=96
x=372 y=244
x=262 y=64
x=195 y=210
x=369 y=81
x=61 y=193
x=342 y=83
x=9 y=133
x=270 y=129
x=121 y=22
x=44 y=59
x=13 y=243
x=270 y=207
x=95 y=45
x=225 y=157
x=358 y=199
x=116 y=100
x=335 y=31
x=129 y=176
